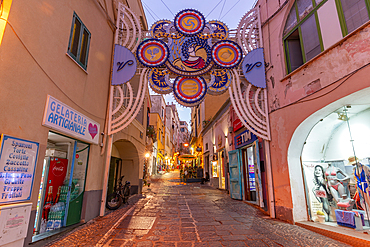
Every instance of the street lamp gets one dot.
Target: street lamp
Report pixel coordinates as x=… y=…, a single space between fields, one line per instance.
x=186 y=145
x=147 y=155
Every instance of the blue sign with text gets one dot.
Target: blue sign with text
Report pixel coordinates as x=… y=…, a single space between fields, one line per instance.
x=124 y=65
x=253 y=67
x=18 y=159
x=244 y=138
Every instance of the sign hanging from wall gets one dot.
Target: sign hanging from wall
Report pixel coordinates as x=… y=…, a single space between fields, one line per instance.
x=17 y=168
x=253 y=67
x=124 y=65
x=67 y=120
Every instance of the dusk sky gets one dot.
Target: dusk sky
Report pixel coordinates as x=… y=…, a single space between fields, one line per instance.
x=228 y=11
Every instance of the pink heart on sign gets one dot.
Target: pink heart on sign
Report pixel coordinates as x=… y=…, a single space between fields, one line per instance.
x=93 y=130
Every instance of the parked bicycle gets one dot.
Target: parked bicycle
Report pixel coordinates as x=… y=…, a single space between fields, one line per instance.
x=120 y=195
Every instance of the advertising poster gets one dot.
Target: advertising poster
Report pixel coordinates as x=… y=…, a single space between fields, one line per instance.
x=252 y=177
x=57 y=174
x=17 y=168
x=318 y=194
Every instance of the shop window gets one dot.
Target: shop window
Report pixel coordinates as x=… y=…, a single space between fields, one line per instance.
x=353 y=13
x=62 y=185
x=79 y=42
x=336 y=163
x=302 y=37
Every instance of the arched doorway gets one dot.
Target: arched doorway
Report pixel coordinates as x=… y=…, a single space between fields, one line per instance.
x=124 y=162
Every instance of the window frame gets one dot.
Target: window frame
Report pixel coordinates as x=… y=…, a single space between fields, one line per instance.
x=342 y=19
x=297 y=26
x=80 y=41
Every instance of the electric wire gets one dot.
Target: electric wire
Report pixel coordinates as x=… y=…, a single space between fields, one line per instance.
x=230 y=9
x=213 y=8
x=349 y=75
x=167 y=7
x=151 y=11
x=47 y=75
x=222 y=10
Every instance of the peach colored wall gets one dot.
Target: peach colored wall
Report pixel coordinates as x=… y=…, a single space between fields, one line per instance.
x=27 y=77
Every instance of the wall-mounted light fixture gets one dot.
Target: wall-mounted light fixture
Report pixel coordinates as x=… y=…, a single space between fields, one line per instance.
x=342 y=116
x=4 y=13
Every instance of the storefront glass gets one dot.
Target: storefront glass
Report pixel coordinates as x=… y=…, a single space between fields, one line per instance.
x=221 y=168
x=62 y=183
x=249 y=170
x=335 y=163
x=215 y=169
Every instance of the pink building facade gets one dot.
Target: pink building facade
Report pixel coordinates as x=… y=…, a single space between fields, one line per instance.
x=317 y=57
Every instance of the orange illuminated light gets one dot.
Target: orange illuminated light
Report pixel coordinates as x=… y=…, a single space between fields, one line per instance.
x=4 y=13
x=186 y=144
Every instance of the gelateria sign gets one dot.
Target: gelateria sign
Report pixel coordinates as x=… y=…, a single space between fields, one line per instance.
x=60 y=117
x=17 y=168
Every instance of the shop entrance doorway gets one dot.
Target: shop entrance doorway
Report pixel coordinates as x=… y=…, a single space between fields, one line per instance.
x=221 y=163
x=115 y=171
x=236 y=190
x=249 y=174
x=62 y=183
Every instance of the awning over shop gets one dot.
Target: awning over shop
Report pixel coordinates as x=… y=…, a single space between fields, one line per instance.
x=187 y=157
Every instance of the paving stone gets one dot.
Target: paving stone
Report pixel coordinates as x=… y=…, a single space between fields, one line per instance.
x=153 y=238
x=187 y=236
x=234 y=237
x=233 y=243
x=256 y=243
x=188 y=229
x=144 y=244
x=184 y=244
x=177 y=214
x=164 y=244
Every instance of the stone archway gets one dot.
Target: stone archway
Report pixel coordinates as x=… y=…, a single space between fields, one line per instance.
x=128 y=155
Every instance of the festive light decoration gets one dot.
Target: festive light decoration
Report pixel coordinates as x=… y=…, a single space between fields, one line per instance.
x=195 y=47
x=191 y=57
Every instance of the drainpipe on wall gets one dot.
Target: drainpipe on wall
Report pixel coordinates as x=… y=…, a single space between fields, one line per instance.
x=106 y=174
x=269 y=179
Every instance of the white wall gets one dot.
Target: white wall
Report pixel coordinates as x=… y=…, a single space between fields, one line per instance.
x=340 y=147
x=329 y=24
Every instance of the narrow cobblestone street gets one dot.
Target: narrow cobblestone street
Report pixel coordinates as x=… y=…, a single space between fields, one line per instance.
x=176 y=214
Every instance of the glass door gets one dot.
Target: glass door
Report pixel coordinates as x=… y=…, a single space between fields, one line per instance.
x=76 y=183
x=251 y=173
x=62 y=183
